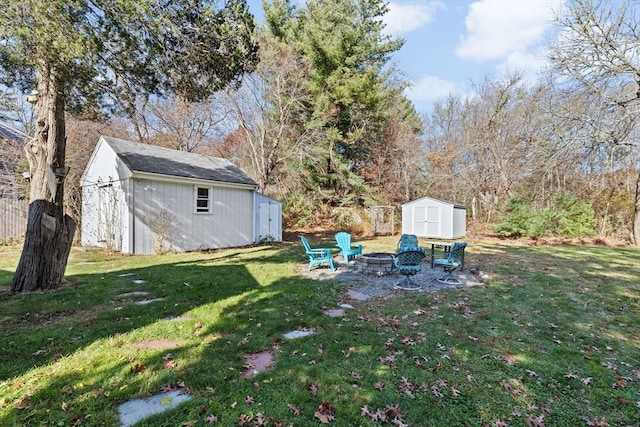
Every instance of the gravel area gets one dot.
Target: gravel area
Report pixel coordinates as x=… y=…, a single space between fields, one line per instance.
x=372 y=284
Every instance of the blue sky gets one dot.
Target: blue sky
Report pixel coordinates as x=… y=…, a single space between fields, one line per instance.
x=451 y=43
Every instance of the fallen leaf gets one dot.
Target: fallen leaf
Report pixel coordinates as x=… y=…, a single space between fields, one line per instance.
x=25 y=403
x=294 y=408
x=137 y=369
x=509 y=358
x=211 y=419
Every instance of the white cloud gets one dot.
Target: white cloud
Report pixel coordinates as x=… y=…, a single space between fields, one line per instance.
x=431 y=88
x=499 y=28
x=404 y=18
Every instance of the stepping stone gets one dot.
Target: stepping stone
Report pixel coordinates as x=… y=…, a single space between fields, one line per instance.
x=359 y=296
x=148 y=301
x=334 y=312
x=133 y=294
x=257 y=362
x=126 y=274
x=297 y=334
x=139 y=281
x=349 y=306
x=135 y=410
x=177 y=318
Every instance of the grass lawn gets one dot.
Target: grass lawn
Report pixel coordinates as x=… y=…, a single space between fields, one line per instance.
x=552 y=339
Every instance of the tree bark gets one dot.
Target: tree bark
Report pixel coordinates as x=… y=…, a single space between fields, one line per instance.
x=636 y=213
x=46 y=248
x=49 y=232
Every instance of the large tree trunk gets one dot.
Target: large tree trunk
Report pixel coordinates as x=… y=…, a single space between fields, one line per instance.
x=636 y=213
x=49 y=232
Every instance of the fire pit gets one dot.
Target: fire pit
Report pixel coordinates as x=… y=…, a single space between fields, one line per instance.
x=379 y=263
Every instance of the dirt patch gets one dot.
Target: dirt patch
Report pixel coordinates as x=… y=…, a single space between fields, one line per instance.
x=257 y=362
x=158 y=344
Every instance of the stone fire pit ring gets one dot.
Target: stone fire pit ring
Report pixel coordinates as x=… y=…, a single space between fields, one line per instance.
x=380 y=263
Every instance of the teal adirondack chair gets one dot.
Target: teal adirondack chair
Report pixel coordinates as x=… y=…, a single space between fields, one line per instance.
x=344 y=243
x=454 y=260
x=318 y=255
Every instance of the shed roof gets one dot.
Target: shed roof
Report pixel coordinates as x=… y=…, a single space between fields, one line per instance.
x=11 y=134
x=455 y=205
x=164 y=161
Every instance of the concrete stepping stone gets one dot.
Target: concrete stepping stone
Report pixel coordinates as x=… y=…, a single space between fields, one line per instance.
x=126 y=274
x=297 y=334
x=358 y=296
x=133 y=294
x=139 y=281
x=135 y=410
x=334 y=312
x=148 y=301
x=349 y=306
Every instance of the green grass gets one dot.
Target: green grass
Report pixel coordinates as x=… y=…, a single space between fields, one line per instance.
x=552 y=339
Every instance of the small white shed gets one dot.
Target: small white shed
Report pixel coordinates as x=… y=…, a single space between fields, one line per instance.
x=436 y=219
x=142 y=199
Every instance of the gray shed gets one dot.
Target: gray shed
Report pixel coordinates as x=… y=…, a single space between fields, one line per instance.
x=435 y=219
x=141 y=199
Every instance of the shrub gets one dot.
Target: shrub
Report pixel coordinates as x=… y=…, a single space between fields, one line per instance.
x=572 y=217
x=297 y=210
x=567 y=217
x=517 y=222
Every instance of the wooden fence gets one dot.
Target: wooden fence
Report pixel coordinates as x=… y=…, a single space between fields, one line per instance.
x=13 y=219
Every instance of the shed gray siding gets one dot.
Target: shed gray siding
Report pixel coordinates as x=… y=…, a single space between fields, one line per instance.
x=156 y=202
x=155 y=192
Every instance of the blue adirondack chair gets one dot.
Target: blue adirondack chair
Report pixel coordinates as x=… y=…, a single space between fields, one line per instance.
x=317 y=255
x=408 y=261
x=454 y=260
x=344 y=243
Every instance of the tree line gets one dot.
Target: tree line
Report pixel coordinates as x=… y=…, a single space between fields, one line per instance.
x=312 y=107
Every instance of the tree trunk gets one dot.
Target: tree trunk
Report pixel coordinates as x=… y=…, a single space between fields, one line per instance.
x=46 y=248
x=49 y=232
x=636 y=213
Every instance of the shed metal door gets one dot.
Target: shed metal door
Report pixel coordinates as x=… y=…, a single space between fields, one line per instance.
x=269 y=224
x=426 y=221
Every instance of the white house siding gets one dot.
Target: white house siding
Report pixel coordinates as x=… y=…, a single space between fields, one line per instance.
x=104 y=208
x=230 y=224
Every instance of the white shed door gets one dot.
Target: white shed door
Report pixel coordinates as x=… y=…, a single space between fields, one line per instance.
x=426 y=221
x=269 y=224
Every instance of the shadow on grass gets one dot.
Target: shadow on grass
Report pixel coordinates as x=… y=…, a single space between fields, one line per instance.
x=72 y=353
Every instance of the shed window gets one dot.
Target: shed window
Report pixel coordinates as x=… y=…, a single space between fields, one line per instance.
x=203 y=200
